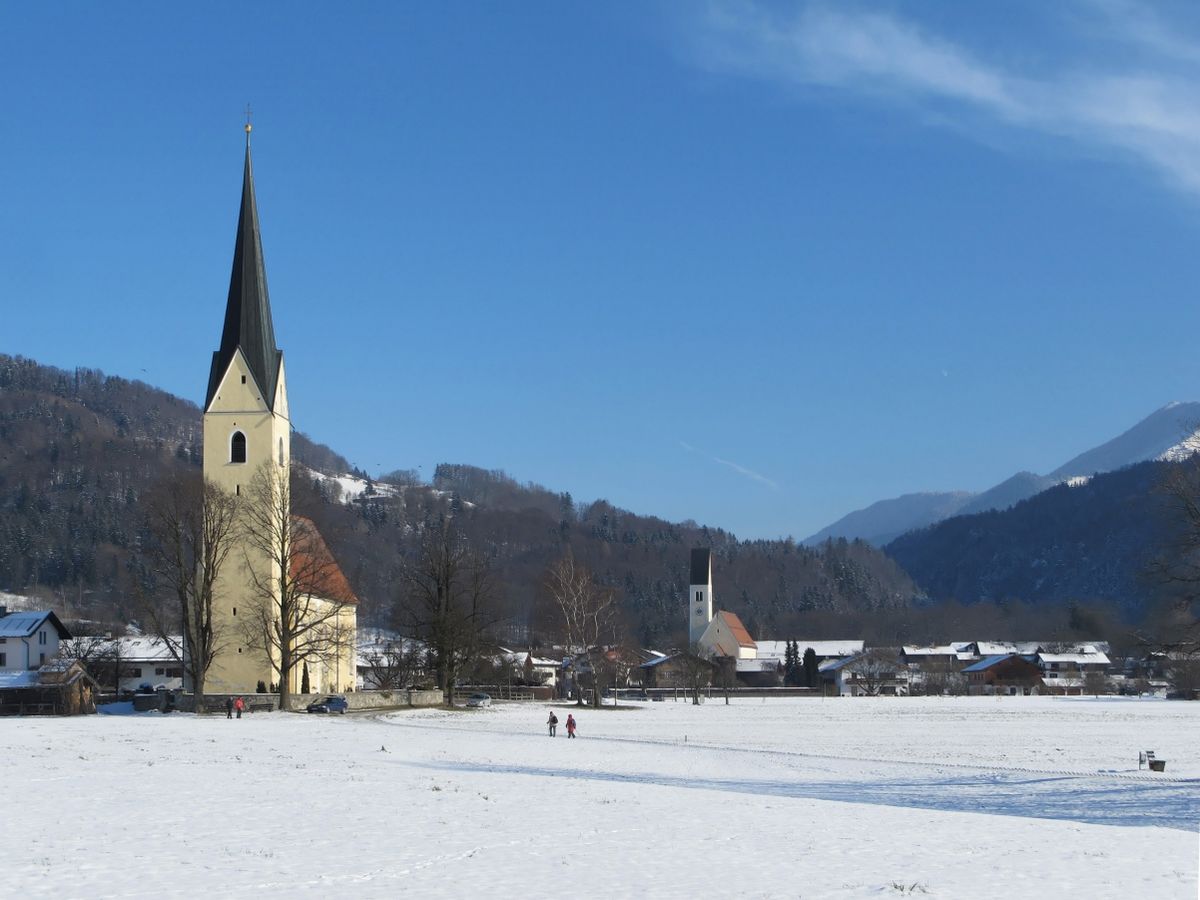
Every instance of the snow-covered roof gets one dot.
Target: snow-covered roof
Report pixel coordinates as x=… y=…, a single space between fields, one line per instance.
x=777 y=649
x=146 y=647
x=1093 y=659
x=958 y=649
x=23 y=624
x=135 y=648
x=832 y=665
x=370 y=651
x=999 y=648
x=518 y=657
x=24 y=678
x=657 y=661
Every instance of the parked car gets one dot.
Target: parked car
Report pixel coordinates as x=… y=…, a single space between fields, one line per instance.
x=330 y=704
x=478 y=701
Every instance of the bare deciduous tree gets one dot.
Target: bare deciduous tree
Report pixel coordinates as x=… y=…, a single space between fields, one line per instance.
x=99 y=655
x=1178 y=566
x=697 y=671
x=193 y=526
x=873 y=671
x=296 y=615
x=394 y=663
x=449 y=600
x=587 y=613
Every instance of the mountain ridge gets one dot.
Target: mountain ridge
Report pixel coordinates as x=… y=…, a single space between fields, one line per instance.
x=1170 y=432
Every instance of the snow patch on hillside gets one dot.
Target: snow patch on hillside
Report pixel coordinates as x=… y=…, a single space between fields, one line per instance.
x=1183 y=449
x=19 y=602
x=354 y=488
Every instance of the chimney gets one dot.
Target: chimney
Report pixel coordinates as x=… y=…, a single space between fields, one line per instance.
x=3 y=611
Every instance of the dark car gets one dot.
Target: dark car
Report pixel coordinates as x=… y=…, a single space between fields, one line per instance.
x=329 y=705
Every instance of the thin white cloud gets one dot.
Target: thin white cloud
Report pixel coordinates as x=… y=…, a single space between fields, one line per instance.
x=741 y=470
x=1142 y=103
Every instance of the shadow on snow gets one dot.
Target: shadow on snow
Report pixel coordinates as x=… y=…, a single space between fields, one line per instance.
x=1082 y=799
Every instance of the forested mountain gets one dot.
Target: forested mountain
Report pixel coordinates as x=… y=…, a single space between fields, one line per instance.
x=1167 y=433
x=79 y=450
x=1088 y=542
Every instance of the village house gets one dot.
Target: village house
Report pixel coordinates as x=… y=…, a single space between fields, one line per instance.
x=384 y=660
x=28 y=640
x=676 y=671
x=873 y=673
x=144 y=663
x=1077 y=670
x=533 y=670
x=1008 y=674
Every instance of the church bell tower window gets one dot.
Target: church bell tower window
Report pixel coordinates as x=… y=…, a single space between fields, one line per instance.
x=237 y=448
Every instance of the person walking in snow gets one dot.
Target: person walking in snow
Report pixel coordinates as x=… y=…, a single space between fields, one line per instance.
x=229 y=707
x=239 y=704
x=570 y=725
x=552 y=722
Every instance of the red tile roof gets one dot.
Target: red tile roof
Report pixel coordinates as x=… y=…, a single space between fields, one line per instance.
x=737 y=629
x=312 y=561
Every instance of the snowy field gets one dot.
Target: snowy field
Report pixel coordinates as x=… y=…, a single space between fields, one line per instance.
x=837 y=798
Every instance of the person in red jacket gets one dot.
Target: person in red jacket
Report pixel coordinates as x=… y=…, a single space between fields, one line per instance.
x=239 y=704
x=570 y=725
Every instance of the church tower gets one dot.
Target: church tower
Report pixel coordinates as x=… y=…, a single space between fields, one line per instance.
x=245 y=425
x=700 y=595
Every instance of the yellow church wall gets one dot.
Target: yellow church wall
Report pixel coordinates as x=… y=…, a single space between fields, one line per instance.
x=335 y=671
x=238 y=406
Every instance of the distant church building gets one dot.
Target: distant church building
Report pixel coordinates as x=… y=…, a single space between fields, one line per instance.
x=721 y=637
x=722 y=634
x=247 y=427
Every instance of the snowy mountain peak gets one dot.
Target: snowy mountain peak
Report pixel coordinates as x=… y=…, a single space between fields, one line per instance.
x=1170 y=433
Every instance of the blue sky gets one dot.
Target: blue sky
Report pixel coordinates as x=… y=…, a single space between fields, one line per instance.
x=754 y=265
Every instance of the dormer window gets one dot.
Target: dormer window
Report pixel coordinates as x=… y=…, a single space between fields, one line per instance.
x=237 y=448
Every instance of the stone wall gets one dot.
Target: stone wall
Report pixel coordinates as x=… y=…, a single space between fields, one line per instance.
x=403 y=699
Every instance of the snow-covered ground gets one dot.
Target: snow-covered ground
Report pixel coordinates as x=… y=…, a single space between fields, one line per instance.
x=839 y=798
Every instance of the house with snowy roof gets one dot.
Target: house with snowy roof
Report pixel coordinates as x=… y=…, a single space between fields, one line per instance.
x=872 y=673
x=1010 y=674
x=144 y=662
x=29 y=639
x=1065 y=670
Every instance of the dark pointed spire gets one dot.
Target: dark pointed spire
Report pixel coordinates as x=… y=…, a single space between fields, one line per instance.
x=248 y=310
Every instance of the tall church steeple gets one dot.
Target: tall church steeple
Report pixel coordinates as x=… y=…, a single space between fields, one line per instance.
x=248 y=323
x=246 y=428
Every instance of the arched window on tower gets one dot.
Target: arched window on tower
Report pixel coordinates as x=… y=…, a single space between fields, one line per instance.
x=237 y=448
x=281 y=453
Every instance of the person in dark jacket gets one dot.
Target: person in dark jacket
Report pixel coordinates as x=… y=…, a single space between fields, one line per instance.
x=229 y=707
x=552 y=722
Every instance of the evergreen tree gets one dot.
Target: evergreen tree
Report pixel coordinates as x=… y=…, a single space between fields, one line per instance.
x=811 y=678
x=791 y=664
